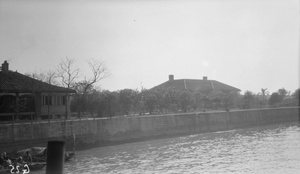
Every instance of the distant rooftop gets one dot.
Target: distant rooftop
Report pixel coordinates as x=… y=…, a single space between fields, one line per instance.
x=201 y=85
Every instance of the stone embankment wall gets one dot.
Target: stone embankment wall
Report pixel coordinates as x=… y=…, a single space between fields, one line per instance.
x=126 y=129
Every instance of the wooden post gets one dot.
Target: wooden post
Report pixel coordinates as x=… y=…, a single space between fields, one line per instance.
x=31 y=117
x=17 y=105
x=226 y=120
x=207 y=121
x=13 y=127
x=65 y=120
x=48 y=107
x=55 y=157
x=66 y=103
x=74 y=145
x=38 y=100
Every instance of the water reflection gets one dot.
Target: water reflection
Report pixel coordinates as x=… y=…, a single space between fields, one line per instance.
x=270 y=149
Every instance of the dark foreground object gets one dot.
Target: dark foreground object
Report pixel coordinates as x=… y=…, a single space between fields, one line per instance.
x=55 y=157
x=36 y=166
x=39 y=154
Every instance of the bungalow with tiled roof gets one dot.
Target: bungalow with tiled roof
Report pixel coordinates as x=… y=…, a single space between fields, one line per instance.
x=22 y=97
x=197 y=85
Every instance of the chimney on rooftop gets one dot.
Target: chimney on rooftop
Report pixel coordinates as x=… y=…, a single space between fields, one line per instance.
x=204 y=77
x=171 y=77
x=5 y=66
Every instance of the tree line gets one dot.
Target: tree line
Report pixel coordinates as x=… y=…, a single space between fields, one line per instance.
x=93 y=101
x=104 y=103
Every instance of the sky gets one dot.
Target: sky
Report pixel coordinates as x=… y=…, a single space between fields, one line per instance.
x=248 y=44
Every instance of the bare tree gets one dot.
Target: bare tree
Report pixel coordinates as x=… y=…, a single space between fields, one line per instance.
x=67 y=72
x=36 y=75
x=48 y=77
x=99 y=72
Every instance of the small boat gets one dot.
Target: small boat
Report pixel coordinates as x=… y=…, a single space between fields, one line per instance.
x=69 y=156
x=4 y=171
x=39 y=154
x=36 y=166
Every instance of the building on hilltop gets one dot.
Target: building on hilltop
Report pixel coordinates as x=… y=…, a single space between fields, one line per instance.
x=22 y=97
x=196 y=85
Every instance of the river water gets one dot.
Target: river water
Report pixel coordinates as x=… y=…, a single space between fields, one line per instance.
x=269 y=149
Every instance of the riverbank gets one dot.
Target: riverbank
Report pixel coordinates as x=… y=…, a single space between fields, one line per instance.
x=102 y=132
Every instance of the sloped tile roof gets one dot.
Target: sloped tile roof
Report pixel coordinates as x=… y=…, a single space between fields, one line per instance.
x=197 y=85
x=15 y=82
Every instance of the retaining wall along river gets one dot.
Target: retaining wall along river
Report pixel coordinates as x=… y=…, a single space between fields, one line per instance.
x=124 y=129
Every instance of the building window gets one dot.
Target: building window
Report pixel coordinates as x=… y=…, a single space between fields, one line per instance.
x=54 y=100
x=58 y=100
x=47 y=100
x=64 y=100
x=43 y=100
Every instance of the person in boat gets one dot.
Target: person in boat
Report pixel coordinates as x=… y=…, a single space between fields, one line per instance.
x=20 y=160
x=5 y=160
x=2 y=161
x=28 y=157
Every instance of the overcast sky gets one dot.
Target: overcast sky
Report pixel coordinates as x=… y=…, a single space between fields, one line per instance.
x=248 y=44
